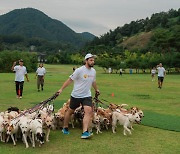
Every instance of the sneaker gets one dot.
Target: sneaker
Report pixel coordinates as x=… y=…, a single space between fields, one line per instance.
x=17 y=96
x=86 y=135
x=20 y=97
x=65 y=131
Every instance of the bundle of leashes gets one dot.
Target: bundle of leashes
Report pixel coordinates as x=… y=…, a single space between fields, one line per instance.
x=38 y=106
x=98 y=101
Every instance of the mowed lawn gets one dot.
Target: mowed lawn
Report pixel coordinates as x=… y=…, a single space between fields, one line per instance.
x=134 y=90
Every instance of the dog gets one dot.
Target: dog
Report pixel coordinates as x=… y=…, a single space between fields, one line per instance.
x=141 y=114
x=48 y=122
x=13 y=109
x=12 y=129
x=105 y=117
x=96 y=123
x=79 y=115
x=124 y=119
x=25 y=129
x=36 y=129
x=2 y=128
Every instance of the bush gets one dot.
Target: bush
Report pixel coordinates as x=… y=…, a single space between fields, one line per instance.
x=8 y=57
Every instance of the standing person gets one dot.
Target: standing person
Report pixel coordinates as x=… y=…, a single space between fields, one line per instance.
x=83 y=77
x=120 y=71
x=153 y=72
x=40 y=73
x=110 y=70
x=19 y=77
x=161 y=74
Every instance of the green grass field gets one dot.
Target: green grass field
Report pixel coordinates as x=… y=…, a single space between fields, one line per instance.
x=161 y=108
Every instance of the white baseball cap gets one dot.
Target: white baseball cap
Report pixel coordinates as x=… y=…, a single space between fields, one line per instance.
x=89 y=55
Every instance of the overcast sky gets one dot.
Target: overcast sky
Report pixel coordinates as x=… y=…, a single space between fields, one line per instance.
x=94 y=16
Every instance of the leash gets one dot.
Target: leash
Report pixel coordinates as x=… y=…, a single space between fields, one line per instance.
x=38 y=106
x=96 y=99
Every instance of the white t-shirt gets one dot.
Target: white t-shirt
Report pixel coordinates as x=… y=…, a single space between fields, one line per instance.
x=161 y=71
x=41 y=71
x=20 y=72
x=83 y=79
x=110 y=70
x=153 y=71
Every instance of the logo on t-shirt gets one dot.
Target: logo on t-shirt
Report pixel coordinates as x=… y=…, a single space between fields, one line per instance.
x=85 y=76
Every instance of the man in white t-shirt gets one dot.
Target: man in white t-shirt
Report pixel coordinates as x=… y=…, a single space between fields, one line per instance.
x=40 y=73
x=20 y=71
x=161 y=74
x=84 y=78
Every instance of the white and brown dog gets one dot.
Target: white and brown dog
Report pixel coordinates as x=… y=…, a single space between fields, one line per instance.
x=12 y=129
x=25 y=129
x=36 y=129
x=124 y=119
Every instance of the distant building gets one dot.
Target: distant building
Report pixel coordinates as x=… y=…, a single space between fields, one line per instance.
x=41 y=57
x=32 y=48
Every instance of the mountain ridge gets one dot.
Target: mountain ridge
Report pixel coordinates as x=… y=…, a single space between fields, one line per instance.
x=30 y=22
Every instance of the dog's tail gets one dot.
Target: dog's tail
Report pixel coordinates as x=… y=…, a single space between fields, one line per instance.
x=122 y=105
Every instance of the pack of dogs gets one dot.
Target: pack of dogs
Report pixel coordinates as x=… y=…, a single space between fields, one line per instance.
x=35 y=127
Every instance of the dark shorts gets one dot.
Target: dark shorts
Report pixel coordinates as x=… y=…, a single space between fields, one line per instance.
x=160 y=78
x=153 y=74
x=75 y=102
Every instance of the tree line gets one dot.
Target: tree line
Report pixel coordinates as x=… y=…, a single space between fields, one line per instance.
x=8 y=57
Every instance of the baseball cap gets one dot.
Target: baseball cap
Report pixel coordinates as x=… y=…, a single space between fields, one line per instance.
x=89 y=55
x=20 y=60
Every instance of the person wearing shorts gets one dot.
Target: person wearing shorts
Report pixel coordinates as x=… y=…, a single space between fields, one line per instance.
x=153 y=72
x=84 y=78
x=161 y=74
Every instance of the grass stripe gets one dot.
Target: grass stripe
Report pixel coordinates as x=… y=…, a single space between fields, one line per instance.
x=166 y=122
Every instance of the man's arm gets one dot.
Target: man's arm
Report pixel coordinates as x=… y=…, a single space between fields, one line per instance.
x=27 y=77
x=95 y=87
x=12 y=68
x=164 y=72
x=65 y=84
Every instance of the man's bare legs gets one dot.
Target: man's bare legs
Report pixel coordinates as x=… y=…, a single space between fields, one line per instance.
x=67 y=117
x=87 y=117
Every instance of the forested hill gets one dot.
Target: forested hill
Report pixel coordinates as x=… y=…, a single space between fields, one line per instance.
x=159 y=33
x=32 y=23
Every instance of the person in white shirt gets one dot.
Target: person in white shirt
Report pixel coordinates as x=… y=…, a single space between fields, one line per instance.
x=161 y=74
x=40 y=73
x=153 y=72
x=110 y=70
x=20 y=71
x=120 y=71
x=84 y=78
